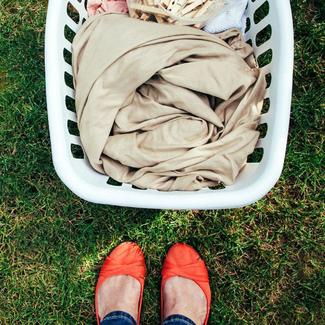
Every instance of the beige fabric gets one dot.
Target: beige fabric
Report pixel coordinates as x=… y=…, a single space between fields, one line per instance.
x=165 y=107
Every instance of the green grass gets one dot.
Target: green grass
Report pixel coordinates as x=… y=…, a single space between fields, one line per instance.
x=266 y=261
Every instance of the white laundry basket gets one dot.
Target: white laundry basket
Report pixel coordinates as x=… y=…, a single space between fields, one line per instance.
x=272 y=39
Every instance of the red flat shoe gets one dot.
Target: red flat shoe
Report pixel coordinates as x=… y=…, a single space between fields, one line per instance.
x=125 y=259
x=182 y=260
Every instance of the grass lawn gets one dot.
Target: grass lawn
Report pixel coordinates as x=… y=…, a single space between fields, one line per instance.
x=266 y=261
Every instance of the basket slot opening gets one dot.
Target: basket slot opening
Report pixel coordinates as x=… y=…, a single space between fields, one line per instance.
x=265 y=58
x=263 y=35
x=113 y=182
x=68 y=80
x=67 y=55
x=266 y=105
x=73 y=13
x=256 y=156
x=77 y=151
x=70 y=104
x=73 y=128
x=69 y=34
x=138 y=188
x=248 y=25
x=262 y=128
x=261 y=12
x=220 y=186
x=249 y=42
x=268 y=78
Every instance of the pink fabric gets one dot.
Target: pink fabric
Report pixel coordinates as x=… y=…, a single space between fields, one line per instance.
x=112 y=6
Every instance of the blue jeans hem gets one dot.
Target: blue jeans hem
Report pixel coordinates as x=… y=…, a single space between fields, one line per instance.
x=178 y=319
x=118 y=317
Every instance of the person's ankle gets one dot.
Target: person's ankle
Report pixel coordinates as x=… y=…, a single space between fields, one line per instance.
x=119 y=293
x=184 y=297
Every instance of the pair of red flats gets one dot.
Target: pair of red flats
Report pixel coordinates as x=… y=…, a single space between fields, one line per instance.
x=181 y=260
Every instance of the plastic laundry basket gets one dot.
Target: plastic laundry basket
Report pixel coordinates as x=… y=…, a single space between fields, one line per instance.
x=272 y=39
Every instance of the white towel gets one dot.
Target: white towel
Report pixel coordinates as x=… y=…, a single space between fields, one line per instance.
x=231 y=16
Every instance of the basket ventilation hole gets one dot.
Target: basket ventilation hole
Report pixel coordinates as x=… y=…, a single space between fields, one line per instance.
x=138 y=188
x=220 y=186
x=265 y=58
x=256 y=156
x=248 y=25
x=262 y=128
x=73 y=13
x=268 y=79
x=261 y=12
x=77 y=151
x=68 y=80
x=263 y=35
x=73 y=128
x=266 y=105
x=70 y=104
x=69 y=34
x=249 y=42
x=67 y=55
x=112 y=181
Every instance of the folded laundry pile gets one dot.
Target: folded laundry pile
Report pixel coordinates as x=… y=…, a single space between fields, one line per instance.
x=182 y=12
x=214 y=15
x=164 y=106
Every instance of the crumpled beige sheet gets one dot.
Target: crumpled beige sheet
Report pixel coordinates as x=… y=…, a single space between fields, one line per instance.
x=165 y=107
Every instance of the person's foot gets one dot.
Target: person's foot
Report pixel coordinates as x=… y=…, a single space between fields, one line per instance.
x=120 y=282
x=119 y=293
x=183 y=296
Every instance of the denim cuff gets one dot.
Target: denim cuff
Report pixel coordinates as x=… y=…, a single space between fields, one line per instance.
x=179 y=319
x=118 y=316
